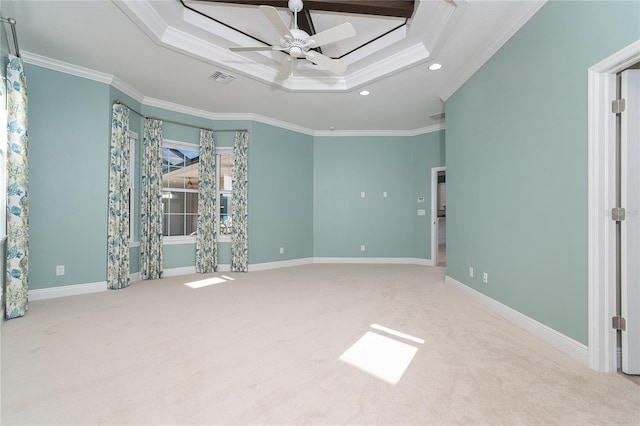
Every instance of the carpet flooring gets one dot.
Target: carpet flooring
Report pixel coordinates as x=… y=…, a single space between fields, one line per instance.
x=314 y=344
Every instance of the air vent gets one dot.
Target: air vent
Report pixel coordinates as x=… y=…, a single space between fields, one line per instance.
x=437 y=116
x=221 y=77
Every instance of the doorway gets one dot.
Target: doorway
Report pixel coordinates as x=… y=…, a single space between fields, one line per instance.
x=628 y=228
x=439 y=216
x=606 y=299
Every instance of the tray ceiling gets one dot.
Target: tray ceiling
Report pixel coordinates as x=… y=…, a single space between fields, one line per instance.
x=161 y=53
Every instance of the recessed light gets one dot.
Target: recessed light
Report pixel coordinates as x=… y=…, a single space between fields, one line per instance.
x=365 y=92
x=435 y=67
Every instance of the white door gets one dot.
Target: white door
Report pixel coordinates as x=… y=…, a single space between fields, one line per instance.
x=630 y=227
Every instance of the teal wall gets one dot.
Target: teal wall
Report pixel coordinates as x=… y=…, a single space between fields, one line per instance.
x=516 y=150
x=428 y=152
x=387 y=227
x=69 y=128
x=294 y=180
x=280 y=194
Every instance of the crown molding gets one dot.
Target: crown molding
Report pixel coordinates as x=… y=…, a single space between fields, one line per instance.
x=159 y=103
x=64 y=67
x=528 y=9
x=416 y=132
x=125 y=88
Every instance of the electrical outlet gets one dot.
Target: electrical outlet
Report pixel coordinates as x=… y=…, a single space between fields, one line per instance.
x=281 y=250
x=60 y=270
x=384 y=194
x=471 y=271
x=362 y=247
x=362 y=194
x=485 y=277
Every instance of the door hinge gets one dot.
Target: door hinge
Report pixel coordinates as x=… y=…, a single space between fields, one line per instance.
x=617 y=106
x=619 y=323
x=618 y=214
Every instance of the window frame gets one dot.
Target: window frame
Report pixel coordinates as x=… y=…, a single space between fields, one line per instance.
x=226 y=238
x=179 y=239
x=134 y=239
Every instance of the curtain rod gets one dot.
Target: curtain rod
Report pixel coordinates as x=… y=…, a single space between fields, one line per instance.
x=118 y=101
x=12 y=22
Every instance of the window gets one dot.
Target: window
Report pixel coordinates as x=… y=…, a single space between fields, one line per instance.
x=180 y=182
x=179 y=188
x=132 y=186
x=224 y=160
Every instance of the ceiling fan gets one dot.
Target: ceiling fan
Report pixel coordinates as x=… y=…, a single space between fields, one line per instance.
x=298 y=44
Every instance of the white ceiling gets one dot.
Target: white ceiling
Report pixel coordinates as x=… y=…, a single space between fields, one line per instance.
x=162 y=54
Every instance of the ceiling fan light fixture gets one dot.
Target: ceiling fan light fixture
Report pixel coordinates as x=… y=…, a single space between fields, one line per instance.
x=435 y=67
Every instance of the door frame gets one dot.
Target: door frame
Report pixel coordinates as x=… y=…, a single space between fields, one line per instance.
x=434 y=212
x=603 y=353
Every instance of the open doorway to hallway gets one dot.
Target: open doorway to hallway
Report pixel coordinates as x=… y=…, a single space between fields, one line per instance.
x=439 y=216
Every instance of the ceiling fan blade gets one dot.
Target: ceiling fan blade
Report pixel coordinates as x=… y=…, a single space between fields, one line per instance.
x=253 y=49
x=274 y=17
x=331 y=35
x=332 y=65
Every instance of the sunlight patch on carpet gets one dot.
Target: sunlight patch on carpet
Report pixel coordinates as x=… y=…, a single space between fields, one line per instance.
x=381 y=356
x=206 y=282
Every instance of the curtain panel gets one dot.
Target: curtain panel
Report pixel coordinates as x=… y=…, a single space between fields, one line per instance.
x=206 y=235
x=17 y=256
x=239 y=208
x=118 y=205
x=151 y=264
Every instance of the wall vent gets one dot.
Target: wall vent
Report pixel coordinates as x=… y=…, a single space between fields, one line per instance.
x=437 y=116
x=221 y=77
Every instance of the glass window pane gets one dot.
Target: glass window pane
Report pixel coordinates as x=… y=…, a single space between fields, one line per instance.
x=191 y=224
x=176 y=224
x=191 y=200
x=225 y=214
x=179 y=168
x=225 y=167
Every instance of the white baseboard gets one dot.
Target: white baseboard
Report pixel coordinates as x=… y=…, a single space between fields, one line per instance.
x=556 y=339
x=280 y=264
x=72 y=290
x=67 y=290
x=378 y=260
x=174 y=272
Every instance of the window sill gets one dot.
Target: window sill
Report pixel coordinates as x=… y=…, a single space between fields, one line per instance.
x=187 y=239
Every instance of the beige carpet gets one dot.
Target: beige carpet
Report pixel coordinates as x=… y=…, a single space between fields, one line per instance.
x=266 y=348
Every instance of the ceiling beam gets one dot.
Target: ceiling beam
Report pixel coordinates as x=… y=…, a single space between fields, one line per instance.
x=394 y=8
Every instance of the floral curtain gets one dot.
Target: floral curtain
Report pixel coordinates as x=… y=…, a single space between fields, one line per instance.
x=239 y=243
x=206 y=244
x=17 y=262
x=151 y=202
x=118 y=213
